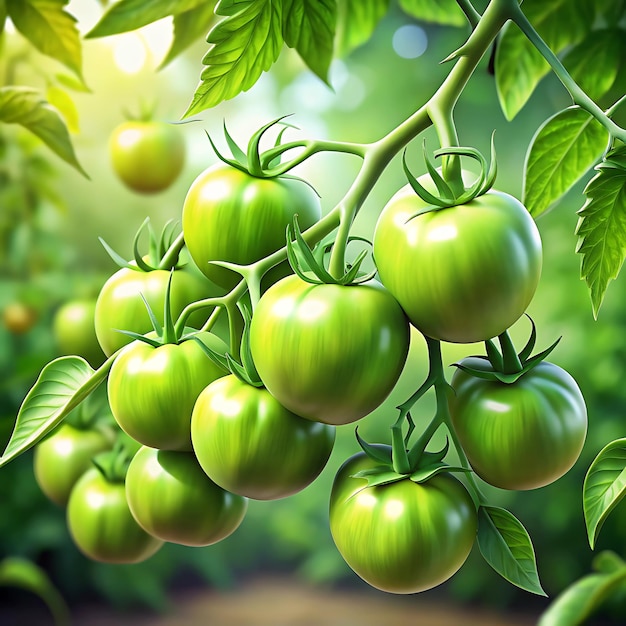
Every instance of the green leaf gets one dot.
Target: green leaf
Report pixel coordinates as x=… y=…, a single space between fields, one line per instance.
x=190 y=26
x=244 y=45
x=50 y=28
x=601 y=228
x=604 y=486
x=581 y=599
x=506 y=546
x=444 y=12
x=560 y=153
x=595 y=62
x=24 y=574
x=309 y=27
x=519 y=66
x=356 y=22
x=127 y=15
x=63 y=103
x=27 y=107
x=62 y=385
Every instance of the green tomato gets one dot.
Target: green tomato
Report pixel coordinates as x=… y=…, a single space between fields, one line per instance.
x=63 y=457
x=74 y=330
x=522 y=435
x=329 y=353
x=148 y=155
x=230 y=215
x=462 y=274
x=152 y=390
x=250 y=444
x=173 y=499
x=402 y=537
x=102 y=525
x=120 y=306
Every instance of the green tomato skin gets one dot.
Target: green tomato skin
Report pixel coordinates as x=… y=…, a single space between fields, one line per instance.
x=147 y=156
x=101 y=523
x=522 y=435
x=402 y=537
x=120 y=307
x=249 y=444
x=462 y=274
x=74 y=330
x=329 y=353
x=171 y=498
x=63 y=457
x=152 y=390
x=229 y=215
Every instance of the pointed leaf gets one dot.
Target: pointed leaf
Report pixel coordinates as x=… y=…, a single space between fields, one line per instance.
x=50 y=28
x=117 y=258
x=63 y=103
x=604 y=486
x=601 y=228
x=445 y=12
x=62 y=385
x=506 y=546
x=309 y=27
x=356 y=22
x=527 y=350
x=239 y=155
x=127 y=15
x=190 y=26
x=376 y=452
x=27 y=107
x=218 y=359
x=580 y=600
x=244 y=44
x=377 y=476
x=425 y=473
x=560 y=153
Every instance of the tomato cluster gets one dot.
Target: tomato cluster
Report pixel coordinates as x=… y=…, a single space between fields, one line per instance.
x=215 y=423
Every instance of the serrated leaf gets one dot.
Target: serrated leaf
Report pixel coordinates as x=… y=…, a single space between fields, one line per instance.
x=49 y=28
x=445 y=12
x=560 y=153
x=506 y=546
x=356 y=22
x=601 y=227
x=519 y=66
x=190 y=26
x=27 y=107
x=127 y=15
x=243 y=45
x=62 y=385
x=309 y=27
x=595 y=62
x=604 y=486
x=580 y=600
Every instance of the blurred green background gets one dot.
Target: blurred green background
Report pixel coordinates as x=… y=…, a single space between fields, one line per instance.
x=51 y=217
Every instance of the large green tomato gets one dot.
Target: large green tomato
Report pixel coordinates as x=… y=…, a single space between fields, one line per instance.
x=173 y=499
x=74 y=330
x=101 y=523
x=120 y=307
x=521 y=435
x=63 y=457
x=229 y=215
x=329 y=353
x=152 y=390
x=147 y=155
x=401 y=537
x=248 y=443
x=462 y=274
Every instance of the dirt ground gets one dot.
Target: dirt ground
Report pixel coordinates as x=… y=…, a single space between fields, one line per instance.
x=283 y=602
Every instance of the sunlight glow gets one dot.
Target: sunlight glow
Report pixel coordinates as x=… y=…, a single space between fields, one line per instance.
x=129 y=53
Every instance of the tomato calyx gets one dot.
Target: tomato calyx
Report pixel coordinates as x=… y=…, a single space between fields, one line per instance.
x=452 y=192
x=506 y=365
x=163 y=249
x=113 y=464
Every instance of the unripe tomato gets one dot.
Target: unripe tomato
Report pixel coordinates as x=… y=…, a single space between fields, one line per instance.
x=173 y=499
x=462 y=274
x=63 y=457
x=230 y=215
x=402 y=537
x=102 y=525
x=148 y=155
x=521 y=435
x=74 y=330
x=248 y=443
x=18 y=318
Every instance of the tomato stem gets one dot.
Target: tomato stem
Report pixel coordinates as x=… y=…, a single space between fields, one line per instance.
x=511 y=363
